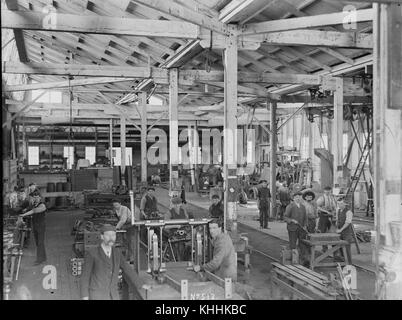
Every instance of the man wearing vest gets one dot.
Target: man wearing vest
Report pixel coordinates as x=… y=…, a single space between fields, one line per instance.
x=100 y=276
x=38 y=210
x=216 y=208
x=344 y=226
x=326 y=209
x=296 y=219
x=124 y=215
x=149 y=204
x=263 y=200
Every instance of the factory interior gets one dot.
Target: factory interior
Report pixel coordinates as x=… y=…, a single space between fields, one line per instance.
x=202 y=149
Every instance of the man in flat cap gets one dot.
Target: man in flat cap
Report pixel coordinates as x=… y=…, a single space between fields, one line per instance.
x=149 y=203
x=99 y=279
x=311 y=210
x=296 y=218
x=263 y=201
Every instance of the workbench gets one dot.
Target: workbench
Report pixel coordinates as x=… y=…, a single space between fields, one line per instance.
x=333 y=246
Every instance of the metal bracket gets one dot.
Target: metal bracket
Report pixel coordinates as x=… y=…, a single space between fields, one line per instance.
x=228 y=288
x=184 y=290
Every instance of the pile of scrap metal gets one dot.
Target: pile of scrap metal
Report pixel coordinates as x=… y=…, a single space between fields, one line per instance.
x=363 y=235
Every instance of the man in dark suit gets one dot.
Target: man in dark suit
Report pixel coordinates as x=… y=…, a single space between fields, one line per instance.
x=99 y=280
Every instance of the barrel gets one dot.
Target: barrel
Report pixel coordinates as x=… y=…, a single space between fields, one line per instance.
x=66 y=186
x=59 y=186
x=50 y=187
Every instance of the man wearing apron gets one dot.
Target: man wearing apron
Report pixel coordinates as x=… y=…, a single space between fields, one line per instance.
x=344 y=226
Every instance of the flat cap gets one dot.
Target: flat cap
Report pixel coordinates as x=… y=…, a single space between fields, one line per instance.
x=107 y=227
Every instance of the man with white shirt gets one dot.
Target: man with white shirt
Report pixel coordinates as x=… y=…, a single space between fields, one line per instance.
x=344 y=226
x=100 y=276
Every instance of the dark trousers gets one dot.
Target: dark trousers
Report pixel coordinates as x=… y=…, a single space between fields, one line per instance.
x=347 y=236
x=264 y=210
x=131 y=235
x=324 y=224
x=39 y=227
x=295 y=238
x=282 y=210
x=311 y=225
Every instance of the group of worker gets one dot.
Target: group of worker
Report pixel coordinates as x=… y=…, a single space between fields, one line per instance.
x=329 y=214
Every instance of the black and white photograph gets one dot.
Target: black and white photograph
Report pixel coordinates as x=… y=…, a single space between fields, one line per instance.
x=196 y=155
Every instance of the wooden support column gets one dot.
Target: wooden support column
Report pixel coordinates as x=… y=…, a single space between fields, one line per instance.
x=173 y=130
x=24 y=144
x=123 y=148
x=273 y=144
x=144 y=163
x=337 y=133
x=111 y=142
x=230 y=135
x=387 y=25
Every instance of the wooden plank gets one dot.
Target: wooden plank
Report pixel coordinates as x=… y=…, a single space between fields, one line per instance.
x=305 y=37
x=173 y=126
x=304 y=284
x=183 y=13
x=337 y=133
x=300 y=276
x=287 y=286
x=18 y=34
x=60 y=22
x=305 y=22
x=63 y=84
x=313 y=273
x=306 y=274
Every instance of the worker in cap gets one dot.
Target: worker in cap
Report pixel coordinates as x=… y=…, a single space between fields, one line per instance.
x=149 y=203
x=344 y=219
x=216 y=208
x=311 y=210
x=100 y=276
x=296 y=219
x=37 y=210
x=263 y=201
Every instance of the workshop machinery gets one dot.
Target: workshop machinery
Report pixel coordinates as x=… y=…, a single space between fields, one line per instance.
x=171 y=280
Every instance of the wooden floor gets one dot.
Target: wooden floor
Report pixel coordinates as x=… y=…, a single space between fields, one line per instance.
x=59 y=252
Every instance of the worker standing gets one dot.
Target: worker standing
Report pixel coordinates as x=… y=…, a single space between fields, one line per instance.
x=344 y=226
x=99 y=279
x=38 y=211
x=124 y=215
x=284 y=199
x=216 y=208
x=223 y=262
x=149 y=204
x=326 y=209
x=296 y=218
x=311 y=210
x=263 y=201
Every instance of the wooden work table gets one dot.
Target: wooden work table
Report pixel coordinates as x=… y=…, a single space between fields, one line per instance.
x=333 y=246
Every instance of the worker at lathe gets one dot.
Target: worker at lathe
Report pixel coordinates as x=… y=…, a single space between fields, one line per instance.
x=38 y=211
x=149 y=203
x=124 y=215
x=223 y=262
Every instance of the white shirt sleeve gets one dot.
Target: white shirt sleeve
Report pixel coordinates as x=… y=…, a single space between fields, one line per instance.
x=349 y=217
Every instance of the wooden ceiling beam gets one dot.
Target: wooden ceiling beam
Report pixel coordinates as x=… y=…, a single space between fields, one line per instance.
x=18 y=34
x=99 y=24
x=304 y=22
